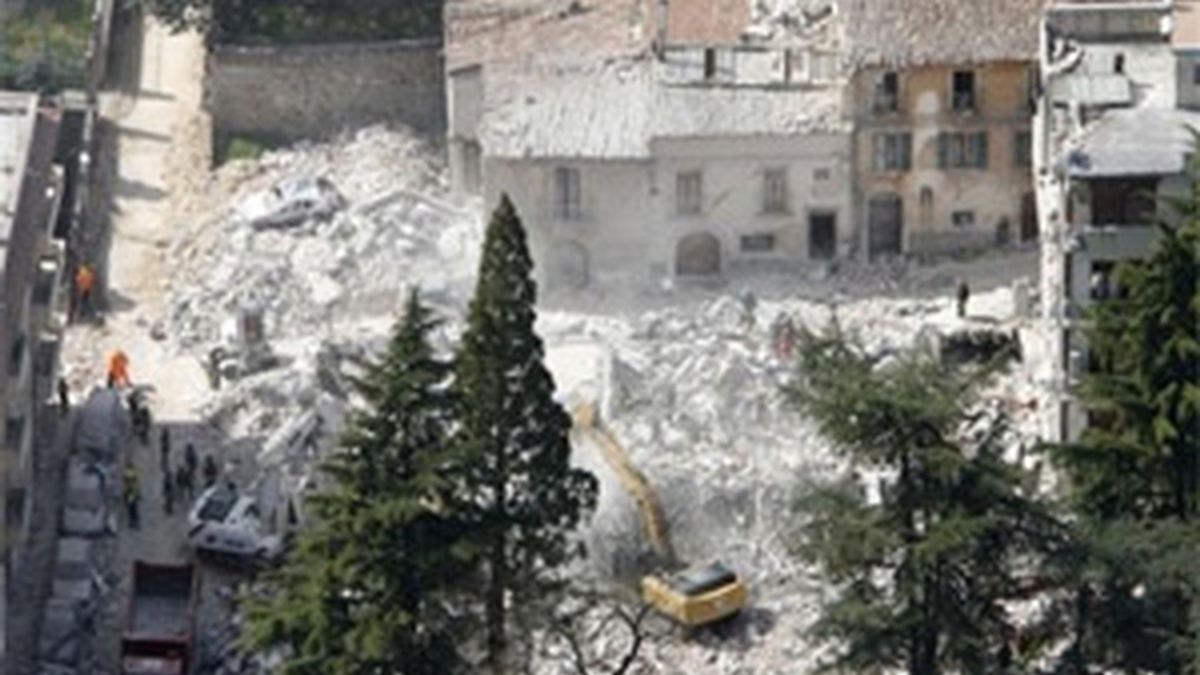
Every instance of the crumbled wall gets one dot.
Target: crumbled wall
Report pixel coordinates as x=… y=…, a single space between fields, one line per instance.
x=314 y=91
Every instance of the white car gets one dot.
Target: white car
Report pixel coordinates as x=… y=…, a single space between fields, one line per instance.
x=225 y=522
x=291 y=202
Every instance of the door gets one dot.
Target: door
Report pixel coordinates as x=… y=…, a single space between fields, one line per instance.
x=698 y=255
x=885 y=225
x=822 y=236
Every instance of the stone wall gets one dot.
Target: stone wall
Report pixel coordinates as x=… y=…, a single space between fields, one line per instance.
x=314 y=91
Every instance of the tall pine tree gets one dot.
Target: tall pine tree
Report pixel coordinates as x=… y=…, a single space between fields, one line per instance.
x=362 y=592
x=1135 y=473
x=523 y=496
x=924 y=567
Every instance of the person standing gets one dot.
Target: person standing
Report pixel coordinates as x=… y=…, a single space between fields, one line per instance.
x=168 y=491
x=164 y=450
x=184 y=486
x=64 y=397
x=210 y=471
x=132 y=495
x=85 y=283
x=118 y=369
x=964 y=294
x=190 y=461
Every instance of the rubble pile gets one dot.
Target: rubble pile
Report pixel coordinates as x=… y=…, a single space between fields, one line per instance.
x=693 y=392
x=395 y=229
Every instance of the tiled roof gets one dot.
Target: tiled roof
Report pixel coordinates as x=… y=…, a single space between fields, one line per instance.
x=899 y=33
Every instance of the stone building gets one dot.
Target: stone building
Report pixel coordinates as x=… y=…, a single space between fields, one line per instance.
x=648 y=141
x=31 y=264
x=1122 y=88
x=942 y=104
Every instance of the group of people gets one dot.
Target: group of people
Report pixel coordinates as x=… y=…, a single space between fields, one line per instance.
x=178 y=483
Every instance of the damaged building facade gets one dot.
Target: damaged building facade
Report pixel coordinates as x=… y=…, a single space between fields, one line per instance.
x=31 y=263
x=1121 y=89
x=694 y=151
x=942 y=115
x=652 y=140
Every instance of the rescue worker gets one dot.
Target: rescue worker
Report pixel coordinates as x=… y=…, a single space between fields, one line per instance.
x=964 y=294
x=118 y=369
x=164 y=449
x=168 y=491
x=140 y=415
x=210 y=471
x=786 y=343
x=190 y=461
x=184 y=485
x=85 y=283
x=64 y=397
x=132 y=495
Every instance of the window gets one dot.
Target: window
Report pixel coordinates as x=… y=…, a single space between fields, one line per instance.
x=821 y=174
x=688 y=192
x=887 y=93
x=1023 y=149
x=963 y=93
x=823 y=67
x=963 y=218
x=758 y=243
x=893 y=151
x=710 y=63
x=567 y=193
x=1119 y=64
x=963 y=150
x=775 y=191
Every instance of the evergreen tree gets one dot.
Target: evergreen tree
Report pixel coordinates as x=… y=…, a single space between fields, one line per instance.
x=1135 y=473
x=924 y=566
x=362 y=592
x=523 y=497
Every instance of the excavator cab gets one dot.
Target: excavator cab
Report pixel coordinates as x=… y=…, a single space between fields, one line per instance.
x=697 y=596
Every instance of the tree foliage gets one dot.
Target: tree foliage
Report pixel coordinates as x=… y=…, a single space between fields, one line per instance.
x=364 y=591
x=302 y=21
x=519 y=493
x=925 y=567
x=1135 y=472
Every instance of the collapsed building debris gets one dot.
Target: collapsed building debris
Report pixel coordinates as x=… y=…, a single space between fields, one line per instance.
x=692 y=391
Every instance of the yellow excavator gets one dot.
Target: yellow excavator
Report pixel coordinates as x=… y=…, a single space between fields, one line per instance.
x=693 y=597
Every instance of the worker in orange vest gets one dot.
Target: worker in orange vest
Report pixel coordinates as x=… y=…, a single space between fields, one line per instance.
x=85 y=283
x=118 y=369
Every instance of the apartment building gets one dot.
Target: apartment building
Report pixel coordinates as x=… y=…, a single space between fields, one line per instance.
x=942 y=108
x=31 y=264
x=1122 y=88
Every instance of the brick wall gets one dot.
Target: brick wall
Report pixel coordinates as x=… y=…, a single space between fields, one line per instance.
x=314 y=91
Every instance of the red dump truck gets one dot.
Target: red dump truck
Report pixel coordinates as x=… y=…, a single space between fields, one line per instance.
x=158 y=637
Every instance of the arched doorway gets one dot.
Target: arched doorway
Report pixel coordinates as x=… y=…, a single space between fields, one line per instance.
x=698 y=254
x=885 y=225
x=569 y=265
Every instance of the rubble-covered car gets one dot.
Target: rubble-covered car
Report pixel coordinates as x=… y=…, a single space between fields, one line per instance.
x=291 y=202
x=227 y=523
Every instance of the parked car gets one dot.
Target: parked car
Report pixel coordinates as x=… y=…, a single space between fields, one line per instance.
x=292 y=202
x=227 y=523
